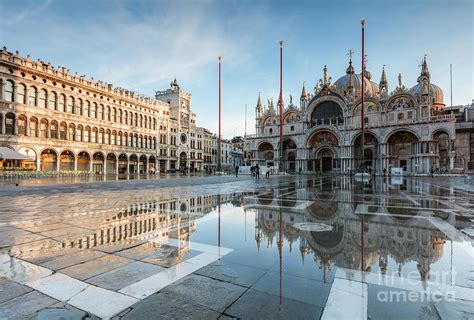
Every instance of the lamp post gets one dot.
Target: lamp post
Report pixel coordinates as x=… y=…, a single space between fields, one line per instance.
x=219 y=169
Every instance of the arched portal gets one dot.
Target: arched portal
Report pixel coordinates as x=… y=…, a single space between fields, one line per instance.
x=49 y=160
x=182 y=161
x=265 y=154
x=324 y=160
x=401 y=148
x=83 y=161
x=31 y=153
x=111 y=163
x=66 y=161
x=321 y=145
x=123 y=163
x=98 y=163
x=289 y=155
x=442 y=147
x=143 y=164
x=152 y=164
x=133 y=164
x=369 y=153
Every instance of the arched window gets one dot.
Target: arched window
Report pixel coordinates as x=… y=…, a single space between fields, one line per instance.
x=107 y=137
x=52 y=101
x=10 y=123
x=114 y=115
x=113 y=139
x=120 y=115
x=8 y=91
x=32 y=96
x=42 y=98
x=100 y=136
x=62 y=131
x=154 y=124
x=125 y=117
x=87 y=132
x=22 y=125
x=71 y=132
x=94 y=110
x=79 y=133
x=94 y=135
x=86 y=110
x=21 y=93
x=33 y=127
x=400 y=116
x=70 y=105
x=107 y=113
x=136 y=119
x=53 y=130
x=100 y=112
x=43 y=128
x=62 y=103
x=78 y=108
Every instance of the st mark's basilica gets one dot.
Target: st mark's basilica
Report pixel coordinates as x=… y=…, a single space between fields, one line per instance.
x=407 y=128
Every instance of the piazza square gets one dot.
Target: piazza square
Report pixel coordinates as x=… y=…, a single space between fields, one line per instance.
x=266 y=171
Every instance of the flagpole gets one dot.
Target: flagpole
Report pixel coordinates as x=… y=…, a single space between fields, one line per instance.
x=280 y=101
x=362 y=164
x=219 y=131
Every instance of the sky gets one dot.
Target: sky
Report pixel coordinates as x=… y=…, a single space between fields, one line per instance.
x=143 y=45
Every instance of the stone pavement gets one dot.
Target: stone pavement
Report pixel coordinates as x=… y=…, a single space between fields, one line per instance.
x=225 y=247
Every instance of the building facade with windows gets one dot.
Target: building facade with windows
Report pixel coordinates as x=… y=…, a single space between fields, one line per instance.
x=406 y=128
x=66 y=122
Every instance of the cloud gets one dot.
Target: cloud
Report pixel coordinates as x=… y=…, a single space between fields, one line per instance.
x=22 y=12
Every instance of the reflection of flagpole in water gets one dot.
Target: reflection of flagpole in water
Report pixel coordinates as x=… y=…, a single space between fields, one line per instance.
x=245 y=224
x=452 y=262
x=219 y=226
x=280 y=252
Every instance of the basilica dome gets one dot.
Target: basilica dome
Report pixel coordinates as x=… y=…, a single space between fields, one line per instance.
x=436 y=93
x=342 y=84
x=350 y=80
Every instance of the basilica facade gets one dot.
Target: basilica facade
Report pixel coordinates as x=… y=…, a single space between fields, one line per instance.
x=405 y=128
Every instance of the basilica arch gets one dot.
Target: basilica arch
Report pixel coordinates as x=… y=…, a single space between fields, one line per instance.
x=265 y=153
x=322 y=146
x=370 y=152
x=402 y=149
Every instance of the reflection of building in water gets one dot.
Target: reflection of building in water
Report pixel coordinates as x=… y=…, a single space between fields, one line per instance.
x=397 y=232
x=145 y=220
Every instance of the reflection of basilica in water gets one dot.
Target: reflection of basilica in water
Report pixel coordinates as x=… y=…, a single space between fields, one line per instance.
x=392 y=228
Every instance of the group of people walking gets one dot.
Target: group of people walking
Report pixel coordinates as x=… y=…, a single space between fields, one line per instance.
x=255 y=172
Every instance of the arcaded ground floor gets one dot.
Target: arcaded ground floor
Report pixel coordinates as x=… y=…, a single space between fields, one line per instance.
x=209 y=247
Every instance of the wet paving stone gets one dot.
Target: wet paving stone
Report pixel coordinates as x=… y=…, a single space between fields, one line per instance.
x=168 y=305
x=95 y=267
x=168 y=256
x=123 y=276
x=10 y=289
x=25 y=306
x=296 y=288
x=62 y=312
x=229 y=272
x=71 y=259
x=389 y=303
x=213 y=294
x=258 y=305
